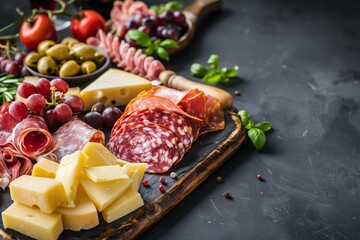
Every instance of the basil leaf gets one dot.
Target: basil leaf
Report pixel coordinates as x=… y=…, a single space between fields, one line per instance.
x=149 y=51
x=157 y=43
x=169 y=43
x=246 y=119
x=214 y=61
x=156 y=8
x=257 y=137
x=230 y=72
x=173 y=6
x=139 y=37
x=264 y=126
x=212 y=77
x=198 y=70
x=162 y=53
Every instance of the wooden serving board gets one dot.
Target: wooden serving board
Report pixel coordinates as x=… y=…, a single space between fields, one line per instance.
x=208 y=152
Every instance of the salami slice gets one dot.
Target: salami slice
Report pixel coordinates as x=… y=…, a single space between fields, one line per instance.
x=73 y=136
x=32 y=138
x=172 y=121
x=149 y=143
x=215 y=116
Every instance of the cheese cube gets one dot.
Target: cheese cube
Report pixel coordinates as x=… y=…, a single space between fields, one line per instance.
x=105 y=173
x=136 y=172
x=31 y=222
x=104 y=193
x=68 y=174
x=83 y=216
x=46 y=193
x=126 y=203
x=114 y=87
x=98 y=155
x=45 y=168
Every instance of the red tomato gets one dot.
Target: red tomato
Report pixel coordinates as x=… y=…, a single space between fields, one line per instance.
x=36 y=31
x=86 y=24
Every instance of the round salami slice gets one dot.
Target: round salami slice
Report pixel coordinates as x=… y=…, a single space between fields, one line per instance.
x=149 y=143
x=174 y=122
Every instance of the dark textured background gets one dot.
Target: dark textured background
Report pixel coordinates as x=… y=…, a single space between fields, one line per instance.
x=299 y=68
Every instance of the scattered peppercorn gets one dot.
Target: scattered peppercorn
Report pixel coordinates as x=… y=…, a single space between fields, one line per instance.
x=145 y=183
x=237 y=93
x=173 y=175
x=260 y=178
x=227 y=195
x=162 y=188
x=162 y=180
x=219 y=179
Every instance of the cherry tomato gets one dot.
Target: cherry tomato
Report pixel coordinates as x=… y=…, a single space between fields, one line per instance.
x=32 y=32
x=86 y=24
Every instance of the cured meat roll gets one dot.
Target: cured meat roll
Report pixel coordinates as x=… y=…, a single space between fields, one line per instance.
x=147 y=142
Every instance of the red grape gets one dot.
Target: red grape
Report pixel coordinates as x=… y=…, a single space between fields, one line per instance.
x=13 y=68
x=167 y=16
x=62 y=113
x=156 y=19
x=98 y=107
x=43 y=86
x=19 y=58
x=36 y=103
x=179 y=18
x=26 y=89
x=51 y=122
x=18 y=110
x=75 y=103
x=110 y=115
x=148 y=21
x=121 y=31
x=94 y=119
x=24 y=72
x=3 y=64
x=145 y=29
x=60 y=85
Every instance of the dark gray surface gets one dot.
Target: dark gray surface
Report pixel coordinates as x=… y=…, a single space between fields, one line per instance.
x=299 y=69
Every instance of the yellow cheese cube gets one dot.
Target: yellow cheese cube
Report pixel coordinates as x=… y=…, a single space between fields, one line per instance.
x=46 y=193
x=105 y=173
x=68 y=174
x=126 y=203
x=83 y=216
x=136 y=172
x=98 y=155
x=104 y=193
x=45 y=168
x=31 y=222
x=114 y=87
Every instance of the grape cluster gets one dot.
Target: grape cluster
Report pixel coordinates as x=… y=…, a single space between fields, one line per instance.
x=168 y=25
x=14 y=65
x=101 y=115
x=47 y=99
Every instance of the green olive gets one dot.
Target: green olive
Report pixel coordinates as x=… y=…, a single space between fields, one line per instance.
x=32 y=59
x=69 y=41
x=44 y=46
x=69 y=68
x=99 y=59
x=88 y=67
x=59 y=52
x=46 y=65
x=83 y=52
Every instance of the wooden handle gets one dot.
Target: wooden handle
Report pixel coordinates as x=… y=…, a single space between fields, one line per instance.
x=170 y=79
x=199 y=7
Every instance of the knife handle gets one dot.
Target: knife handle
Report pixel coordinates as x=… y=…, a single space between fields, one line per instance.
x=170 y=79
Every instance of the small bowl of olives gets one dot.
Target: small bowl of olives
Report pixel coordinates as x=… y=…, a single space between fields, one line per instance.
x=73 y=61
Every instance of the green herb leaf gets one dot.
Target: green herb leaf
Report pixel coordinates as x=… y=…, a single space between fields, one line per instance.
x=214 y=61
x=212 y=77
x=139 y=37
x=156 y=43
x=257 y=137
x=156 y=8
x=246 y=119
x=149 y=51
x=162 y=53
x=198 y=70
x=173 y=6
x=230 y=72
x=169 y=43
x=264 y=126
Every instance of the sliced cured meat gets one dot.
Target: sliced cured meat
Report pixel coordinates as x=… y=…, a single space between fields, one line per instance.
x=172 y=121
x=32 y=138
x=73 y=136
x=4 y=173
x=147 y=142
x=154 y=70
x=215 y=116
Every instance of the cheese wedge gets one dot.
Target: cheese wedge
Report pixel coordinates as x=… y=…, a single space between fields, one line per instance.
x=83 y=216
x=45 y=168
x=114 y=88
x=126 y=203
x=31 y=222
x=121 y=162
x=105 y=173
x=45 y=193
x=68 y=174
x=104 y=193
x=98 y=155
x=136 y=172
